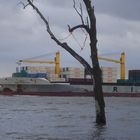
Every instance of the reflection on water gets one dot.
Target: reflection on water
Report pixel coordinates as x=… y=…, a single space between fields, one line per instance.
x=98 y=133
x=67 y=118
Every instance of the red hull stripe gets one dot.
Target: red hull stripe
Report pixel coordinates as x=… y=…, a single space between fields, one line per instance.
x=71 y=94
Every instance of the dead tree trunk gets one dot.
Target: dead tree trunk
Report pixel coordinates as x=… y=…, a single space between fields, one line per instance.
x=95 y=69
x=99 y=99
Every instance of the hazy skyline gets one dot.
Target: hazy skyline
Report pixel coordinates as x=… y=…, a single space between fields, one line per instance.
x=23 y=34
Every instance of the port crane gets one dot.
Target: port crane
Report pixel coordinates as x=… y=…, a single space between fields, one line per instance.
x=121 y=62
x=56 y=62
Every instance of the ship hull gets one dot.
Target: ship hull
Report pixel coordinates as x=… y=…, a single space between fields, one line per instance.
x=39 y=87
x=70 y=94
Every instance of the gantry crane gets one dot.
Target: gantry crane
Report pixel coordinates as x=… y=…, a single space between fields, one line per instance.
x=56 y=62
x=121 y=62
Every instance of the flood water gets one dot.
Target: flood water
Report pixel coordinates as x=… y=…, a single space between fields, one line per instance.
x=67 y=118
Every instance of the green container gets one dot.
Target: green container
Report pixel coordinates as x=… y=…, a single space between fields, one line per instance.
x=23 y=73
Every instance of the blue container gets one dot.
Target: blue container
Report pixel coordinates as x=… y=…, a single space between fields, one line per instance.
x=37 y=75
x=32 y=75
x=134 y=74
x=41 y=75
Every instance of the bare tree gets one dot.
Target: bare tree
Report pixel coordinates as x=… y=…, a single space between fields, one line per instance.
x=90 y=27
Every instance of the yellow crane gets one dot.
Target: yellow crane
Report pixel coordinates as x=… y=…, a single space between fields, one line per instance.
x=121 y=62
x=56 y=62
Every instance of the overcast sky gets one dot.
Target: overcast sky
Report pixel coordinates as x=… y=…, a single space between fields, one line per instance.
x=23 y=34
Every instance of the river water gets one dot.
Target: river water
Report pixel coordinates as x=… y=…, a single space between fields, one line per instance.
x=67 y=118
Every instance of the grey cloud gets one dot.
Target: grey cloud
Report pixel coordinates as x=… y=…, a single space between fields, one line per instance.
x=23 y=34
x=127 y=9
x=59 y=3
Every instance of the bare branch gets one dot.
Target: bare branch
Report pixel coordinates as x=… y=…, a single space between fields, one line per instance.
x=79 y=13
x=81 y=9
x=23 y=4
x=83 y=25
x=64 y=44
x=87 y=22
x=84 y=43
x=78 y=26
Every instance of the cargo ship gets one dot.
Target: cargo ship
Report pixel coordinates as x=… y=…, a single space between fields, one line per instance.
x=37 y=86
x=75 y=87
x=69 y=81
